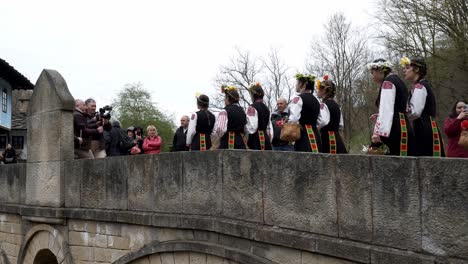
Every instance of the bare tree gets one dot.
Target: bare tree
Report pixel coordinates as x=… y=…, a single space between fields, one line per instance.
x=342 y=54
x=244 y=69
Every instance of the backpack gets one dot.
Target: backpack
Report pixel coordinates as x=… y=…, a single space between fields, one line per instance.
x=125 y=142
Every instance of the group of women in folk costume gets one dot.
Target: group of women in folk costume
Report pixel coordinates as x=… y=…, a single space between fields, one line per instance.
x=406 y=121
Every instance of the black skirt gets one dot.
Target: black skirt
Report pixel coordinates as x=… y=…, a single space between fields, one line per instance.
x=254 y=141
x=401 y=140
x=332 y=142
x=304 y=144
x=428 y=138
x=232 y=140
x=198 y=144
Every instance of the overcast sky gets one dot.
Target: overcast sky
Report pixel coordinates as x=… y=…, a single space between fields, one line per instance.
x=174 y=48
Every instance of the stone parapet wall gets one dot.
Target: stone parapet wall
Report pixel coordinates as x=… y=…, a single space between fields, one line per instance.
x=11 y=237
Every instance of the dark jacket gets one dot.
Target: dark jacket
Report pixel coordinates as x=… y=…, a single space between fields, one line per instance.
x=276 y=118
x=179 y=141
x=81 y=129
x=112 y=139
x=9 y=156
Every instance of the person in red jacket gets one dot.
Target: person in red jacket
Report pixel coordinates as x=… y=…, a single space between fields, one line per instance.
x=452 y=128
x=152 y=143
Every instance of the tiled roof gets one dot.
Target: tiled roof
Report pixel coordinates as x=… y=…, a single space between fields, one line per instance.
x=14 y=77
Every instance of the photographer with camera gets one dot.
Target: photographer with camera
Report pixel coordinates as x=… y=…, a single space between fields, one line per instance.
x=100 y=122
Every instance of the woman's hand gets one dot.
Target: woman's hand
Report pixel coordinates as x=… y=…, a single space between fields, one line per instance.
x=374 y=117
x=375 y=139
x=462 y=115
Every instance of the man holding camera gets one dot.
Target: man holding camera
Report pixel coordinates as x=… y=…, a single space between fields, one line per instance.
x=97 y=120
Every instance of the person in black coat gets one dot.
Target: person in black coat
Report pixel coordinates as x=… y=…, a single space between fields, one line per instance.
x=230 y=124
x=422 y=109
x=392 y=126
x=180 y=136
x=9 y=155
x=201 y=126
x=330 y=134
x=258 y=120
x=305 y=110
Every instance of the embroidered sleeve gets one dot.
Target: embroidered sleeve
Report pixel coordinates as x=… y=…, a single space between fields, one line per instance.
x=191 y=128
x=418 y=101
x=295 y=110
x=270 y=130
x=341 y=126
x=221 y=124
x=324 y=116
x=386 y=109
x=252 y=120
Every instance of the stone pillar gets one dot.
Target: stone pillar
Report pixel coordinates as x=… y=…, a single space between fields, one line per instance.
x=50 y=140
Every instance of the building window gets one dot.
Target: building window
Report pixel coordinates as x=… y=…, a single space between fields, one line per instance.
x=17 y=142
x=4 y=101
x=3 y=142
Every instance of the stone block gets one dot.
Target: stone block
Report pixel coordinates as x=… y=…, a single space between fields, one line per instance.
x=354 y=197
x=243 y=174
x=44 y=184
x=344 y=249
x=398 y=257
x=181 y=257
x=50 y=94
x=278 y=254
x=12 y=183
x=143 y=260
x=72 y=177
x=140 y=183
x=155 y=259
x=82 y=253
x=396 y=202
x=300 y=192
x=444 y=206
x=46 y=142
x=202 y=182
x=167 y=183
x=197 y=258
x=310 y=258
x=210 y=259
x=167 y=258
x=118 y=242
x=107 y=228
x=104 y=183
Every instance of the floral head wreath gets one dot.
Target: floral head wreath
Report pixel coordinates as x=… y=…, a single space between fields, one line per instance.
x=319 y=83
x=379 y=65
x=254 y=88
x=226 y=88
x=305 y=77
x=405 y=61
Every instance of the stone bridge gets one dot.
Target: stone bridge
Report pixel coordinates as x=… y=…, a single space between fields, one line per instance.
x=211 y=207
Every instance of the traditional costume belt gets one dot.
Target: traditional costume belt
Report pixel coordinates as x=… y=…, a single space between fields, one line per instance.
x=202 y=142
x=332 y=142
x=261 y=137
x=436 y=145
x=312 y=140
x=231 y=139
x=404 y=135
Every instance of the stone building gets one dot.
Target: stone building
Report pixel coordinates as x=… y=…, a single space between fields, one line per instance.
x=16 y=91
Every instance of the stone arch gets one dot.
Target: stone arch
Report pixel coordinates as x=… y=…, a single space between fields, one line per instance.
x=193 y=246
x=43 y=241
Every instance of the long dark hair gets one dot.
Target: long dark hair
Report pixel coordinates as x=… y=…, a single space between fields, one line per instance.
x=453 y=110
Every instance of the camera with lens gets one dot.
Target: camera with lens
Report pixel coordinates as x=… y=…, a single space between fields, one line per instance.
x=104 y=113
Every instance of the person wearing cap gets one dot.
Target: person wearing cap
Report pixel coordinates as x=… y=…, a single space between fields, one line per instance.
x=130 y=133
x=422 y=109
x=180 y=136
x=392 y=126
x=331 y=139
x=258 y=120
x=231 y=121
x=201 y=126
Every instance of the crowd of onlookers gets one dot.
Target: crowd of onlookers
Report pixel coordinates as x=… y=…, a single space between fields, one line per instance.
x=96 y=135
